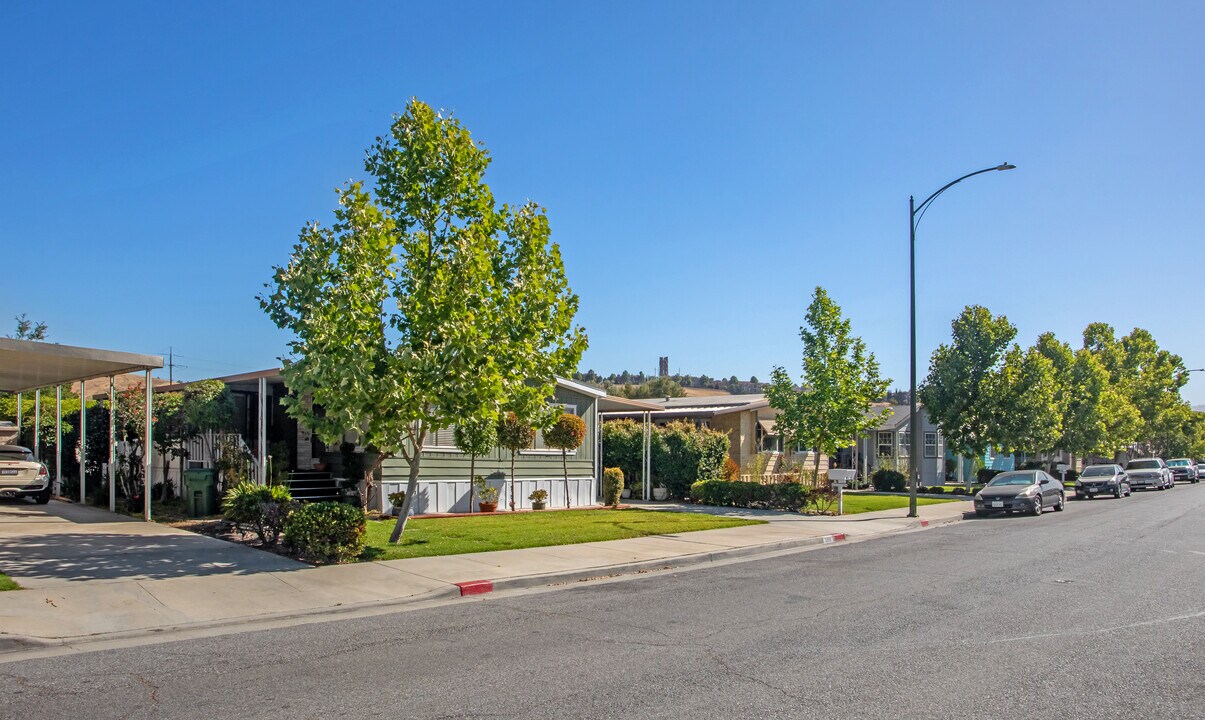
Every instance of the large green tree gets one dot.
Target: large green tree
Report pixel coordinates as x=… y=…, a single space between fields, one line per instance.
x=425 y=304
x=1026 y=402
x=959 y=393
x=840 y=382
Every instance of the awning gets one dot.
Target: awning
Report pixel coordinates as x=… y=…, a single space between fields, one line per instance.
x=769 y=427
x=27 y=365
x=610 y=404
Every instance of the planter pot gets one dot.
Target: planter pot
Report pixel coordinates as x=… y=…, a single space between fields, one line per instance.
x=537 y=505
x=487 y=507
x=660 y=493
x=394 y=510
x=626 y=493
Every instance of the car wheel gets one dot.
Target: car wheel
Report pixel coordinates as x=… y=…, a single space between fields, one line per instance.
x=1037 y=507
x=1117 y=492
x=43 y=497
x=1062 y=502
x=1129 y=491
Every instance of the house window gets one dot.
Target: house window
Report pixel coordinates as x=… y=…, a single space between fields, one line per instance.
x=441 y=440
x=884 y=443
x=905 y=442
x=540 y=446
x=930 y=444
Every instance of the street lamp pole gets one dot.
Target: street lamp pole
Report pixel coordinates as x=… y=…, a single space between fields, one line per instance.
x=915 y=214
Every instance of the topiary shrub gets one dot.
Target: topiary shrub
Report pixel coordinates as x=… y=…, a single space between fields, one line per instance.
x=887 y=480
x=326 y=532
x=959 y=491
x=937 y=490
x=612 y=486
x=730 y=471
x=264 y=507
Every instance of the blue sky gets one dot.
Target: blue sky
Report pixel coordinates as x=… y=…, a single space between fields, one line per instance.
x=704 y=165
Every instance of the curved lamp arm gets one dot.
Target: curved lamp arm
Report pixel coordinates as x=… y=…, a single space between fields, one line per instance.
x=919 y=212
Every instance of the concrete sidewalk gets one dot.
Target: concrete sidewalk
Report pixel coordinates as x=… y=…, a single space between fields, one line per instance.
x=89 y=610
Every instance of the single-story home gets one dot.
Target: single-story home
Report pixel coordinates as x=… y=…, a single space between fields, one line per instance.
x=888 y=445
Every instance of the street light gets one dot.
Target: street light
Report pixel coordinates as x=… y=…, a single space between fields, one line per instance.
x=915 y=214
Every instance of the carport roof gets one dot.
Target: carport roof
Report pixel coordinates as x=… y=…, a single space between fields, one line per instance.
x=28 y=365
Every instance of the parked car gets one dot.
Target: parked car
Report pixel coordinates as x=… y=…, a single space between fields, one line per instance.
x=22 y=476
x=1031 y=491
x=1184 y=469
x=1148 y=473
x=1102 y=480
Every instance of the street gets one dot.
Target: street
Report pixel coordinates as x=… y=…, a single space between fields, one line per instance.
x=1096 y=612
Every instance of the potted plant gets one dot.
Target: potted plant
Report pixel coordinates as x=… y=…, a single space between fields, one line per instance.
x=538 y=498
x=660 y=492
x=487 y=495
x=625 y=493
x=396 y=500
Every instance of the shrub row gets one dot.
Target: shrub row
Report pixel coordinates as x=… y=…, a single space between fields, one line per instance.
x=323 y=532
x=789 y=496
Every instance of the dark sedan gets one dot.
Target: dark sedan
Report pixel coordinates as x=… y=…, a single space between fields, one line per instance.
x=1102 y=480
x=1030 y=491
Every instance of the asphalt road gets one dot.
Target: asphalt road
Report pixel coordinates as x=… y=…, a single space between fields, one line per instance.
x=1096 y=612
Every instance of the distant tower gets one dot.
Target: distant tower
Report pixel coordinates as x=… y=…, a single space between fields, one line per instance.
x=663 y=367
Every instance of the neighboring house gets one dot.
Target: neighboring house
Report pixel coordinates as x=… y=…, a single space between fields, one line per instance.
x=748 y=420
x=444 y=480
x=887 y=445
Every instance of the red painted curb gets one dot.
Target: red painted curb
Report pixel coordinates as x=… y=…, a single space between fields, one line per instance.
x=924 y=523
x=838 y=536
x=475 y=587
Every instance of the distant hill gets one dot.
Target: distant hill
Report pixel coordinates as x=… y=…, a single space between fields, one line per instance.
x=1198 y=408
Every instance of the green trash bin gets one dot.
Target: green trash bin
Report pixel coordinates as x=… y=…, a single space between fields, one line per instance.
x=201 y=492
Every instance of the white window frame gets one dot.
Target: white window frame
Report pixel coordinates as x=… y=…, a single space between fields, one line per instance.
x=879 y=444
x=930 y=447
x=905 y=443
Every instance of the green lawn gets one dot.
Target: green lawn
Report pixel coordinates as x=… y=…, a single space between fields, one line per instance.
x=855 y=504
x=453 y=536
x=6 y=583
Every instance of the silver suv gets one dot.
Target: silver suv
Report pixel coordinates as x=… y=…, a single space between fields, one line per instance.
x=1149 y=473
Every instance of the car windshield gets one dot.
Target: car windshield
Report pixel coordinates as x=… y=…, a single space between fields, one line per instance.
x=1179 y=463
x=1097 y=470
x=1143 y=465
x=23 y=455
x=1018 y=479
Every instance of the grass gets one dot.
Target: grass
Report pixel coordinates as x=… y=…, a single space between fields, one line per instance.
x=855 y=504
x=6 y=583
x=454 y=536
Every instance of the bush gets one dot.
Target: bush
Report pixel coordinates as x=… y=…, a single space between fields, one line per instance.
x=786 y=496
x=326 y=532
x=959 y=491
x=684 y=454
x=984 y=475
x=731 y=471
x=265 y=508
x=886 y=480
x=612 y=486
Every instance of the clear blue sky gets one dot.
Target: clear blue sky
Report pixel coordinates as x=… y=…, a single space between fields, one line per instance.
x=704 y=165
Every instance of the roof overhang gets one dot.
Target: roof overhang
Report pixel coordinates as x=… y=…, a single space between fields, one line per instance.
x=28 y=365
x=611 y=404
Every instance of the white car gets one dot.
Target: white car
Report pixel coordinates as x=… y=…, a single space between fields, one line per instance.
x=22 y=476
x=1149 y=473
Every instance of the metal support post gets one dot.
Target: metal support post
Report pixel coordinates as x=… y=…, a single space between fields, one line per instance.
x=83 y=437
x=37 y=425
x=262 y=434
x=148 y=450
x=112 y=445
x=58 y=440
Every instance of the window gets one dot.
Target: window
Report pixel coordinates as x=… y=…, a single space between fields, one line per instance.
x=541 y=447
x=884 y=443
x=905 y=442
x=441 y=440
x=930 y=444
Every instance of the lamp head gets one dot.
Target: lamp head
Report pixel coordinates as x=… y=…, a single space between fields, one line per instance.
x=1006 y=166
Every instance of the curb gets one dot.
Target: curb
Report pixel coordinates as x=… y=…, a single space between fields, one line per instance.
x=11 y=643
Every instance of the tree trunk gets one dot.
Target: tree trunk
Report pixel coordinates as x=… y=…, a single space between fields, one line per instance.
x=166 y=464
x=816 y=471
x=565 y=467
x=512 y=480
x=411 y=489
x=472 y=478
x=368 y=480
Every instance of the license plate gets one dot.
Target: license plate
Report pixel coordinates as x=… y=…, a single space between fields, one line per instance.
x=997 y=503
x=9 y=471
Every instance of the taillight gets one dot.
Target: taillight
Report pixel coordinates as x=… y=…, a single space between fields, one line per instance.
x=43 y=472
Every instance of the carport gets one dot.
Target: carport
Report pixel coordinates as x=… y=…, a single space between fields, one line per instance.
x=26 y=365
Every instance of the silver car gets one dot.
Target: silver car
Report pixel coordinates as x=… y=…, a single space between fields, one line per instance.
x=1184 y=469
x=1102 y=480
x=1149 y=473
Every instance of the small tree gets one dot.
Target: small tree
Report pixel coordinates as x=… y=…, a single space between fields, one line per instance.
x=567 y=433
x=476 y=437
x=840 y=381
x=514 y=435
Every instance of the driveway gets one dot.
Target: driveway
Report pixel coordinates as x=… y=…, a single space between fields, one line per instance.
x=44 y=546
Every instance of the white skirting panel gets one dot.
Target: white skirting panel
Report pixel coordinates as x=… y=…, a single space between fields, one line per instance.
x=453 y=496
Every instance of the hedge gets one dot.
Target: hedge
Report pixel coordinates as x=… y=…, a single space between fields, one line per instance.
x=786 y=496
x=886 y=480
